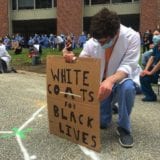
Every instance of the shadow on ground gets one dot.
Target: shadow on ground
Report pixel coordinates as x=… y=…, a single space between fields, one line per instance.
x=41 y=68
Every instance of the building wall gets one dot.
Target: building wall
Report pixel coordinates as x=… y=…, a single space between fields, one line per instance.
x=34 y=14
x=158 y=14
x=4 y=18
x=69 y=16
x=149 y=15
x=120 y=8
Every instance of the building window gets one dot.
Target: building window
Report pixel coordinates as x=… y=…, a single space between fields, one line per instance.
x=121 y=1
x=25 y=4
x=86 y=2
x=100 y=1
x=55 y=3
x=43 y=4
x=14 y=4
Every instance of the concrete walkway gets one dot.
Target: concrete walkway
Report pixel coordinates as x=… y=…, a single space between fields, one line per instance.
x=23 y=112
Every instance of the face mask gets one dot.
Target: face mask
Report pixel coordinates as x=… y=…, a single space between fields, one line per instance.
x=108 y=44
x=156 y=39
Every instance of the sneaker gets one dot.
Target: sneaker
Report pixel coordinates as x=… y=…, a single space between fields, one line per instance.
x=125 y=138
x=115 y=109
x=105 y=126
x=102 y=127
x=13 y=70
x=145 y=99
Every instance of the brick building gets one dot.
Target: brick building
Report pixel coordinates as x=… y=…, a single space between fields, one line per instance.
x=4 y=21
x=149 y=15
x=66 y=16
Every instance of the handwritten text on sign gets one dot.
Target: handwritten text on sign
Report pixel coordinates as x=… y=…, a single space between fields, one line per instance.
x=73 y=107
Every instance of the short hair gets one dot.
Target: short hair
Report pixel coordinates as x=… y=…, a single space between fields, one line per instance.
x=105 y=23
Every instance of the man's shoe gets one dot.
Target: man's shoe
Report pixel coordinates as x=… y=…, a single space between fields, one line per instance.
x=145 y=99
x=103 y=127
x=125 y=138
x=115 y=109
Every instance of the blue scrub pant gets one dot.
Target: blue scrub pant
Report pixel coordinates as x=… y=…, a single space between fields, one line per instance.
x=146 y=85
x=145 y=57
x=125 y=95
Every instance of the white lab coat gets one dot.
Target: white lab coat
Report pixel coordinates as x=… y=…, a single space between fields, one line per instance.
x=124 y=57
x=4 y=55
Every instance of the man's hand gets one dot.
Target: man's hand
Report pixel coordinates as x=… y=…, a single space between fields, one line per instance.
x=106 y=86
x=69 y=56
x=145 y=72
x=105 y=89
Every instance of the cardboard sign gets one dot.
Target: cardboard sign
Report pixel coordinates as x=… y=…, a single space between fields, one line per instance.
x=73 y=108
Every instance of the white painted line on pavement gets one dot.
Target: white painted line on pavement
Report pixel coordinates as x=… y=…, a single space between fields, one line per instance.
x=33 y=157
x=32 y=118
x=93 y=155
x=23 y=149
x=18 y=138
x=6 y=132
x=40 y=115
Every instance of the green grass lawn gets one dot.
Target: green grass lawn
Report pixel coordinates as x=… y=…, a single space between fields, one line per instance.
x=23 y=59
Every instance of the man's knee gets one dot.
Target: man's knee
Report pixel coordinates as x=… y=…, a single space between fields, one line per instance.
x=128 y=86
x=144 y=79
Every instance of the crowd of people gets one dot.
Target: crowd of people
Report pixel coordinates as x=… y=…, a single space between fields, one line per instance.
x=151 y=65
x=36 y=42
x=46 y=41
